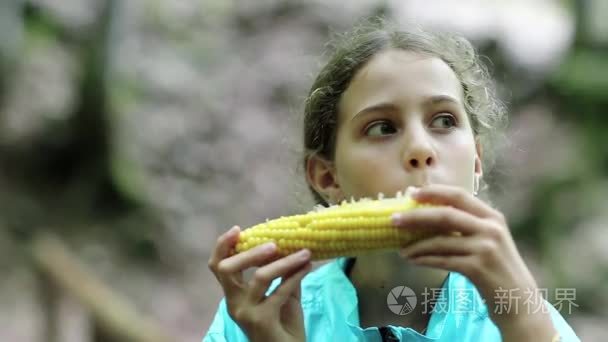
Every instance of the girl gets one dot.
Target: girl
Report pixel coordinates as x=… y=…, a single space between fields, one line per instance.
x=393 y=110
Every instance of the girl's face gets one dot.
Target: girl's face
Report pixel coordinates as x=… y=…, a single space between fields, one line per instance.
x=401 y=123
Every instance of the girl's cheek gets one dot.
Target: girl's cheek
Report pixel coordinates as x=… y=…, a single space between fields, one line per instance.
x=360 y=172
x=460 y=162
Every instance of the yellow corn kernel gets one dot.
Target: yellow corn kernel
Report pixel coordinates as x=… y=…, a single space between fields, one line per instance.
x=348 y=229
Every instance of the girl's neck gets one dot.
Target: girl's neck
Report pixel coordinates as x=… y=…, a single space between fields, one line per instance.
x=375 y=275
x=378 y=270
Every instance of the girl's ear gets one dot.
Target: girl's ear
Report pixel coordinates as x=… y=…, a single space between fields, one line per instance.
x=321 y=175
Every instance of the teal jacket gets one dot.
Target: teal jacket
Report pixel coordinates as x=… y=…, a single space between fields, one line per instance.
x=329 y=303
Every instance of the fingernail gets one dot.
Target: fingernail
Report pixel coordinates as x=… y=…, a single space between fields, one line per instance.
x=303 y=254
x=415 y=192
x=268 y=247
x=412 y=190
x=395 y=218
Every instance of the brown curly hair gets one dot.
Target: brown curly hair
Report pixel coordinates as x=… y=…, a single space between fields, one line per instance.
x=352 y=50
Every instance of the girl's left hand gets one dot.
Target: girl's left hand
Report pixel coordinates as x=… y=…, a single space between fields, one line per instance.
x=484 y=251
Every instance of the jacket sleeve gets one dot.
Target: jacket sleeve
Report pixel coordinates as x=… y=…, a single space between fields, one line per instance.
x=223 y=328
x=564 y=329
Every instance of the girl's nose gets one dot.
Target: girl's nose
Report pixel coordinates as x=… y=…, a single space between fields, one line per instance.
x=421 y=162
x=419 y=153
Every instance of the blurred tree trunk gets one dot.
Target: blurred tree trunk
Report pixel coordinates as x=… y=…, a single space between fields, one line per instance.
x=49 y=295
x=62 y=182
x=115 y=319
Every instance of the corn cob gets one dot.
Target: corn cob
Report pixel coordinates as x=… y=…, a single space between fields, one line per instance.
x=348 y=229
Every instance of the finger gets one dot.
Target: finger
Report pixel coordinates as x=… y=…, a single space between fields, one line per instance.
x=283 y=267
x=222 y=248
x=439 y=245
x=290 y=286
x=440 y=219
x=460 y=264
x=232 y=268
x=454 y=197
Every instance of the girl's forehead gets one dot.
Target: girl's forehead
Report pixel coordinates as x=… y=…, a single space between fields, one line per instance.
x=401 y=77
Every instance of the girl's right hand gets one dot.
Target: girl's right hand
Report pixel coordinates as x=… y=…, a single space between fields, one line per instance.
x=277 y=317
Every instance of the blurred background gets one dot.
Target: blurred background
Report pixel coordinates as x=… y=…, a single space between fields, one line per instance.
x=133 y=133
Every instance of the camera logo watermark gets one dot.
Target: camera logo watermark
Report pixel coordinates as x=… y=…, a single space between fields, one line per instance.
x=401 y=300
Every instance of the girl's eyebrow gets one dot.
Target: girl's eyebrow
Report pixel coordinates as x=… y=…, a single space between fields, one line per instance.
x=439 y=99
x=430 y=101
x=380 y=107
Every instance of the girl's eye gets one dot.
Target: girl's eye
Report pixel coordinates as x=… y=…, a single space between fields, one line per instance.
x=444 y=121
x=380 y=128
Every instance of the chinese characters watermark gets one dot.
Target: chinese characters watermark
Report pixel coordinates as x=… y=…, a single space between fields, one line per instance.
x=401 y=300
